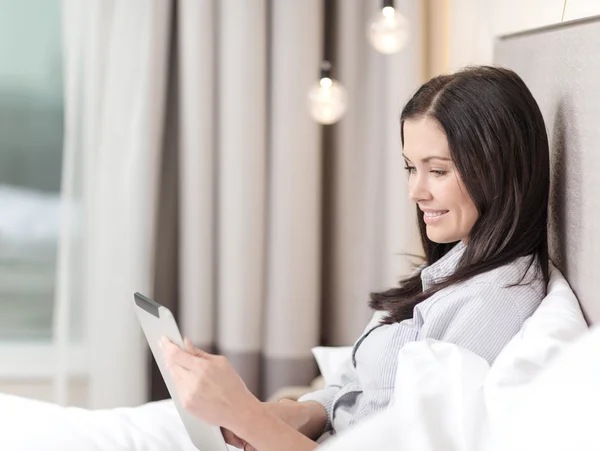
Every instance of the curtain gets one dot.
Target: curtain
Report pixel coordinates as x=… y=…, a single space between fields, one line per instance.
x=115 y=71
x=205 y=183
x=283 y=226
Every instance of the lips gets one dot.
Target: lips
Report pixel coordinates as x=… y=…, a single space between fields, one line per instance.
x=432 y=216
x=433 y=213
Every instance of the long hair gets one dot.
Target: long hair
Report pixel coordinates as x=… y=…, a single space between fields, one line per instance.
x=499 y=146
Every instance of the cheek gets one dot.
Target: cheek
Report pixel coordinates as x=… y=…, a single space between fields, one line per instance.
x=457 y=194
x=468 y=211
x=471 y=213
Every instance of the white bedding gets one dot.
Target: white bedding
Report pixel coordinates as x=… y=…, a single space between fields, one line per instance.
x=28 y=425
x=446 y=399
x=557 y=411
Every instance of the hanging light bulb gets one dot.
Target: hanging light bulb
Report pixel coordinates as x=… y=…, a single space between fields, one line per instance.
x=328 y=99
x=388 y=30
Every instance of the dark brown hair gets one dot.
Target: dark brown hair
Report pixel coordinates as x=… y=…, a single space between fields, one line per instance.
x=498 y=143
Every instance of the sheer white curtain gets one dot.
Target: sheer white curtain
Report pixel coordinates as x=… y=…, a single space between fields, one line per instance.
x=115 y=71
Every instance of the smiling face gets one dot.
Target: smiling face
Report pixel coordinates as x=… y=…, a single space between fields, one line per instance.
x=434 y=182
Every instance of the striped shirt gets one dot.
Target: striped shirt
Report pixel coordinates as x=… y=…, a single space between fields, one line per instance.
x=481 y=314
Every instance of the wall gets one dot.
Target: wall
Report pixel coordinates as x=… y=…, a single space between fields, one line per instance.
x=462 y=32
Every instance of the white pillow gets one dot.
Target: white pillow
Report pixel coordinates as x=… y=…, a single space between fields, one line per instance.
x=556 y=324
x=330 y=359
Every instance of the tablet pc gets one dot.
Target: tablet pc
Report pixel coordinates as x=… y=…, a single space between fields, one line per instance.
x=158 y=321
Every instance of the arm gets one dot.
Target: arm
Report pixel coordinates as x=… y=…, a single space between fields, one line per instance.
x=266 y=432
x=322 y=402
x=311 y=414
x=308 y=418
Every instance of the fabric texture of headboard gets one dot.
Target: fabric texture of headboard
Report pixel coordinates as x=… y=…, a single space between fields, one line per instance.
x=561 y=66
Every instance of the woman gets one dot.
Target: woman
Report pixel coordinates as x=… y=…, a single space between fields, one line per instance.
x=476 y=153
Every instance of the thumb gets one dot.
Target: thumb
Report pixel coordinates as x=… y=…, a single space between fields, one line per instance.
x=232 y=439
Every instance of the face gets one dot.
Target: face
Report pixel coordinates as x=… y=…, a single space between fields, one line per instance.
x=434 y=183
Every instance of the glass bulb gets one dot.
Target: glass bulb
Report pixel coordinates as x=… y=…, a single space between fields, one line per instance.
x=388 y=31
x=327 y=101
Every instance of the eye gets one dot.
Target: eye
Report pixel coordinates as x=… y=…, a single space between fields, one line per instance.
x=410 y=169
x=438 y=173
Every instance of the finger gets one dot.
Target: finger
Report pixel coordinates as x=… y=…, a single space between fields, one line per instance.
x=183 y=382
x=232 y=439
x=180 y=375
x=189 y=347
x=194 y=350
x=183 y=379
x=175 y=356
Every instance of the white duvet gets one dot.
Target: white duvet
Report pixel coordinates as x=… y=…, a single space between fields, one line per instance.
x=541 y=389
x=28 y=425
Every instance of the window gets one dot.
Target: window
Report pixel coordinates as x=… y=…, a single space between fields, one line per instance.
x=31 y=139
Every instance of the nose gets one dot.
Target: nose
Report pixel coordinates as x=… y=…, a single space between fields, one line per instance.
x=418 y=188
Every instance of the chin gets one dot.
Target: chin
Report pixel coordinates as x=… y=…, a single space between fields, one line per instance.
x=440 y=241
x=441 y=238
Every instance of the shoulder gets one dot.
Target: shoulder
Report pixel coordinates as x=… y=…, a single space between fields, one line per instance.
x=518 y=287
x=524 y=272
x=520 y=281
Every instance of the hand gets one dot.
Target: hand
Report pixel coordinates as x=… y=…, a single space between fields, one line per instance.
x=207 y=385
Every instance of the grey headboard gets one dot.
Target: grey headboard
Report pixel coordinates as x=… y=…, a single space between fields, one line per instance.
x=561 y=66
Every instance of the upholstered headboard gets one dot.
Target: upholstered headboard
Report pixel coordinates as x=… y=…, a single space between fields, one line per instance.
x=561 y=66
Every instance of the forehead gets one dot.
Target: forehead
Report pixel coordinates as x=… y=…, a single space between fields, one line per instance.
x=424 y=137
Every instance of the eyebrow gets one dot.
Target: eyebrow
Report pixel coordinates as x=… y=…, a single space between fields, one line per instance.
x=427 y=159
